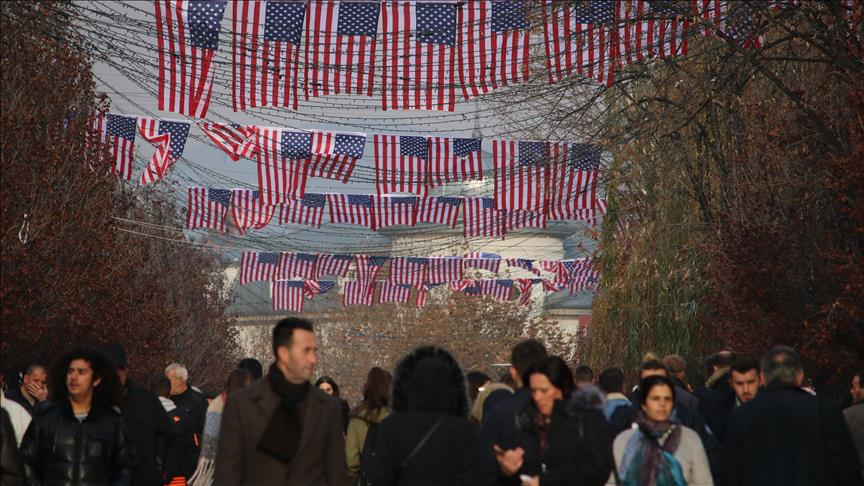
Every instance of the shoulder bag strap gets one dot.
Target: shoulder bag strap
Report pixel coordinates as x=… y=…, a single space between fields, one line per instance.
x=421 y=443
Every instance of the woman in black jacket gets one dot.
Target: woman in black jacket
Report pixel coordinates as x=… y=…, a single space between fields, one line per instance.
x=564 y=434
x=429 y=440
x=79 y=436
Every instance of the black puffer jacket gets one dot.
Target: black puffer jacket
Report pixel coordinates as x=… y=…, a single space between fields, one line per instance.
x=428 y=388
x=578 y=445
x=59 y=450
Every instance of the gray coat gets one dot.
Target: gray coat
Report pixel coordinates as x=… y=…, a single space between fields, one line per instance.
x=320 y=458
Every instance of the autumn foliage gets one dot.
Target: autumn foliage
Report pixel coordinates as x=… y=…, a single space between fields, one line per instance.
x=71 y=271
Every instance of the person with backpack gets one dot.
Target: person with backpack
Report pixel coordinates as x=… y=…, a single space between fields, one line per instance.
x=363 y=425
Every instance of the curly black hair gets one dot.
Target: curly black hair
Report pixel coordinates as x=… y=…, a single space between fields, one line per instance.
x=105 y=395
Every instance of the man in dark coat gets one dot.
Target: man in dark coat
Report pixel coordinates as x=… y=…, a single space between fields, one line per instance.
x=744 y=381
x=183 y=456
x=786 y=436
x=498 y=431
x=189 y=400
x=428 y=439
x=32 y=391
x=147 y=423
x=281 y=429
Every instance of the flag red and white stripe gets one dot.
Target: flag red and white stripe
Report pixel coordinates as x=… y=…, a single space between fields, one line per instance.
x=265 y=53
x=518 y=219
x=334 y=264
x=447 y=164
x=187 y=36
x=390 y=292
x=298 y=265
x=518 y=184
x=235 y=140
x=307 y=211
x=409 y=270
x=395 y=172
x=329 y=160
x=394 y=210
x=419 y=72
x=169 y=137
x=444 y=269
x=258 y=266
x=572 y=184
x=340 y=60
x=289 y=295
x=497 y=289
x=354 y=209
x=207 y=208
x=482 y=218
x=357 y=293
x=577 y=47
x=248 y=211
x=491 y=55
x=525 y=288
x=280 y=178
x=439 y=209
x=368 y=267
x=482 y=261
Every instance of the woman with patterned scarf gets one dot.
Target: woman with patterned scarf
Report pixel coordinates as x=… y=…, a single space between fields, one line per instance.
x=660 y=451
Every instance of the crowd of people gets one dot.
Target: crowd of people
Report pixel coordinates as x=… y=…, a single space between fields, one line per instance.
x=752 y=422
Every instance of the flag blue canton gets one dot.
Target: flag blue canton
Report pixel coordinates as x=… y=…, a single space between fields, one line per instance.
x=204 y=20
x=296 y=145
x=325 y=286
x=221 y=196
x=358 y=18
x=569 y=266
x=313 y=200
x=360 y=200
x=414 y=146
x=524 y=262
x=504 y=283
x=121 y=126
x=472 y=289
x=463 y=147
x=436 y=23
x=451 y=201
x=595 y=12
x=306 y=257
x=377 y=261
x=508 y=15
x=295 y=284
x=532 y=153
x=488 y=202
x=343 y=257
x=268 y=258
x=179 y=132
x=404 y=286
x=666 y=8
x=744 y=20
x=417 y=261
x=584 y=156
x=351 y=145
x=283 y=21
x=403 y=200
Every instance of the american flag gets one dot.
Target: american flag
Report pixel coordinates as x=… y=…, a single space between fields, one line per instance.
x=444 y=269
x=711 y=13
x=335 y=154
x=483 y=261
x=170 y=139
x=368 y=268
x=419 y=55
x=521 y=174
x=518 y=219
x=334 y=264
x=96 y=140
x=265 y=53
x=207 y=208
x=500 y=289
x=340 y=47
x=525 y=287
x=494 y=45
x=471 y=288
x=298 y=265
x=307 y=211
x=289 y=295
x=439 y=209
x=552 y=286
x=573 y=179
x=454 y=159
x=235 y=140
x=523 y=263
x=745 y=22
x=357 y=293
x=401 y=163
x=318 y=287
x=283 y=157
x=389 y=292
x=394 y=210
x=583 y=284
x=249 y=211
x=187 y=36
x=581 y=39
x=482 y=218
x=120 y=133
x=409 y=270
x=423 y=294
x=666 y=24
x=353 y=209
x=258 y=266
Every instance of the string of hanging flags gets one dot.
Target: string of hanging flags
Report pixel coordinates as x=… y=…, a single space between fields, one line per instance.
x=418 y=55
